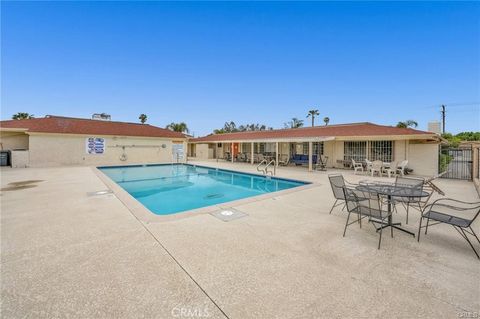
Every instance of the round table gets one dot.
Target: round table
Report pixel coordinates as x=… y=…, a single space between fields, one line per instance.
x=391 y=191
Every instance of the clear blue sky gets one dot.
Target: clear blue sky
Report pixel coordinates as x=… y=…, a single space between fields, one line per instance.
x=207 y=63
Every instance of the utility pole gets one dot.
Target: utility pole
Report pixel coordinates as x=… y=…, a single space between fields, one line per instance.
x=443 y=118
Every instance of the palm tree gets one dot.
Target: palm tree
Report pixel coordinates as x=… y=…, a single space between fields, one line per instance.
x=294 y=123
x=178 y=127
x=407 y=123
x=326 y=119
x=142 y=118
x=22 y=116
x=313 y=113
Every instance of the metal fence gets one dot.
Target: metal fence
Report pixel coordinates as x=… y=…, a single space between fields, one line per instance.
x=457 y=162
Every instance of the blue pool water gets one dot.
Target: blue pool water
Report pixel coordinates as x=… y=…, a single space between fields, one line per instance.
x=173 y=188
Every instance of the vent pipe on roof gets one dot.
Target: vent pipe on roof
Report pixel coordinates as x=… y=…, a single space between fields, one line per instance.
x=101 y=116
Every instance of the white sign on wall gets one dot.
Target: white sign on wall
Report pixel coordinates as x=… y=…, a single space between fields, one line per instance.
x=95 y=145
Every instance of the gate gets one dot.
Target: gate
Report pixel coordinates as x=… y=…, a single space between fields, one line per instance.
x=457 y=162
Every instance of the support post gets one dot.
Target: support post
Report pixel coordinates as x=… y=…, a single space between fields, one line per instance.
x=310 y=156
x=231 y=152
x=252 y=152
x=276 y=154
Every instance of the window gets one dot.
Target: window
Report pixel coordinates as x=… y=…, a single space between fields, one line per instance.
x=381 y=151
x=356 y=150
x=302 y=148
x=261 y=148
x=318 y=148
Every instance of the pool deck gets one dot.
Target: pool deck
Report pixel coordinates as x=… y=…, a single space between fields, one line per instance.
x=65 y=253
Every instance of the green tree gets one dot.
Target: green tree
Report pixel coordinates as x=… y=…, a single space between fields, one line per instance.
x=22 y=116
x=294 y=123
x=326 y=119
x=312 y=114
x=407 y=123
x=178 y=127
x=142 y=118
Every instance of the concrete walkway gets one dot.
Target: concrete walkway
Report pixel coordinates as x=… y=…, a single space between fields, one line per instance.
x=68 y=254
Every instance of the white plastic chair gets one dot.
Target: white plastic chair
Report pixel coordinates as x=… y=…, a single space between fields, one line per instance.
x=401 y=168
x=369 y=166
x=377 y=167
x=357 y=166
x=390 y=170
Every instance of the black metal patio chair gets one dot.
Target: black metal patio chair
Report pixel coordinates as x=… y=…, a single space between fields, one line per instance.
x=337 y=182
x=366 y=205
x=416 y=184
x=460 y=215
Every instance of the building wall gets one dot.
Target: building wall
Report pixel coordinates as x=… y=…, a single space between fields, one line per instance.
x=202 y=151
x=11 y=141
x=423 y=158
x=57 y=150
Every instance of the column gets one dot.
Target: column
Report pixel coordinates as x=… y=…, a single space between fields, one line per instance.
x=475 y=167
x=310 y=156
x=276 y=154
x=231 y=152
x=252 y=152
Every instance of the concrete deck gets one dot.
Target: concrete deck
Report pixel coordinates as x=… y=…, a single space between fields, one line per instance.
x=67 y=254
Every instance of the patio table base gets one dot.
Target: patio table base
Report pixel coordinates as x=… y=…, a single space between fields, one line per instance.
x=395 y=225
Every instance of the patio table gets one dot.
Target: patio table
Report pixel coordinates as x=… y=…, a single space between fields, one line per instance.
x=391 y=191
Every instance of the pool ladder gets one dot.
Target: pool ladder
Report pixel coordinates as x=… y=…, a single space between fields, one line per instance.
x=267 y=164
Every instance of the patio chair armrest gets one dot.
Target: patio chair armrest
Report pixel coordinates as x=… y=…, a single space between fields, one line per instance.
x=454 y=205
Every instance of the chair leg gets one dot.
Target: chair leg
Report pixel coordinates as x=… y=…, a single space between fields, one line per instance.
x=426 y=228
x=346 y=224
x=380 y=238
x=419 y=228
x=391 y=231
x=473 y=233
x=408 y=206
x=333 y=206
x=468 y=240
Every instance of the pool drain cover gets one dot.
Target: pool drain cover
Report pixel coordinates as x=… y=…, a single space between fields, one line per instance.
x=98 y=193
x=228 y=214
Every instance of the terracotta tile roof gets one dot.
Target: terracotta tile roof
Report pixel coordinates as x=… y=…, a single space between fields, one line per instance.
x=69 y=125
x=354 y=129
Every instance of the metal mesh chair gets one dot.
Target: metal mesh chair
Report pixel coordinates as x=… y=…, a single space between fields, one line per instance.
x=460 y=215
x=337 y=182
x=416 y=184
x=365 y=205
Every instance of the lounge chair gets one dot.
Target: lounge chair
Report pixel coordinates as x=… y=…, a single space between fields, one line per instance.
x=460 y=215
x=322 y=163
x=283 y=160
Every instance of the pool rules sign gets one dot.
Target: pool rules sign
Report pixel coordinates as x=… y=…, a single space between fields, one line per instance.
x=95 y=145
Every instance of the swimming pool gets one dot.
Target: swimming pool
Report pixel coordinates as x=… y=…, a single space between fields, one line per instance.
x=173 y=188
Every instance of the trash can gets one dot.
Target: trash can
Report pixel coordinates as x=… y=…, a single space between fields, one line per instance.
x=4 y=158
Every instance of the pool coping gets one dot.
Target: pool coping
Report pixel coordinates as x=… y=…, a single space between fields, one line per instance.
x=143 y=214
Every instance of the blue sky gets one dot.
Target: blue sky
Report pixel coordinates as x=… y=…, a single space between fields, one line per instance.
x=205 y=63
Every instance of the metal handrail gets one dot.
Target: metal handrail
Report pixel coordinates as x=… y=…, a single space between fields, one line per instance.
x=259 y=164
x=274 y=172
